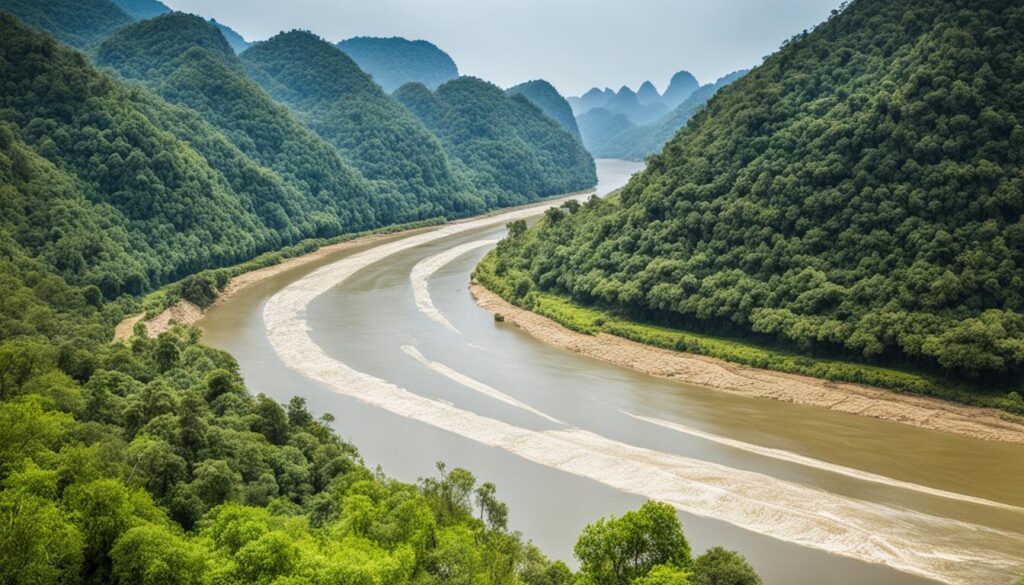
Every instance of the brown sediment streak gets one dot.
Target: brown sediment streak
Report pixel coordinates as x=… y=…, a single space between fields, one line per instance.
x=947 y=550
x=790 y=457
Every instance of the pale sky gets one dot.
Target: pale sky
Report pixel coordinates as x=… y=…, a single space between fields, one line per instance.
x=574 y=44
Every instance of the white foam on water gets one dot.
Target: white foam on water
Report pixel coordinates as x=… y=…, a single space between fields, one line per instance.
x=798 y=459
x=474 y=385
x=426 y=268
x=938 y=548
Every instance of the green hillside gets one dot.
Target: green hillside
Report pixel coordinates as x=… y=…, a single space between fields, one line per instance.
x=857 y=195
x=79 y=23
x=506 y=140
x=188 y=62
x=543 y=95
x=341 y=103
x=237 y=41
x=393 y=62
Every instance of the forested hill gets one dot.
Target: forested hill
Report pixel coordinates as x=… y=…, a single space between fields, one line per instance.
x=340 y=102
x=187 y=61
x=543 y=95
x=394 y=61
x=506 y=140
x=860 y=193
x=237 y=41
x=79 y=23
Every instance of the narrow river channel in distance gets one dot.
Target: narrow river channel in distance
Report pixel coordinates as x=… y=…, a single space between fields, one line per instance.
x=809 y=496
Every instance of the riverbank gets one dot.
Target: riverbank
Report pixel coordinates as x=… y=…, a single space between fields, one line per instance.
x=929 y=413
x=184 y=312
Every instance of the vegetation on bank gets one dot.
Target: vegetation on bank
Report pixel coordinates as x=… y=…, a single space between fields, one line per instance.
x=516 y=287
x=858 y=197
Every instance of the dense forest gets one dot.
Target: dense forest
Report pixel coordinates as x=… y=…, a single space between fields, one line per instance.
x=394 y=61
x=509 y=144
x=858 y=194
x=608 y=135
x=343 y=104
x=79 y=23
x=143 y=9
x=543 y=95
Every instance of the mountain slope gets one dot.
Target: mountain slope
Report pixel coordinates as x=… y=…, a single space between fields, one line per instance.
x=682 y=84
x=506 y=140
x=237 y=41
x=543 y=95
x=599 y=126
x=341 y=103
x=79 y=23
x=857 y=194
x=187 y=61
x=177 y=195
x=143 y=9
x=637 y=142
x=393 y=62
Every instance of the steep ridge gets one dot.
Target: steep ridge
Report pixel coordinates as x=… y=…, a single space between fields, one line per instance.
x=343 y=104
x=187 y=61
x=543 y=95
x=393 y=62
x=507 y=141
x=143 y=9
x=839 y=199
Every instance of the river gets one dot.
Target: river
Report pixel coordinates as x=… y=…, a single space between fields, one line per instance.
x=387 y=338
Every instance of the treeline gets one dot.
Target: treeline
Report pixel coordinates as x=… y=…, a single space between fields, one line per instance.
x=858 y=195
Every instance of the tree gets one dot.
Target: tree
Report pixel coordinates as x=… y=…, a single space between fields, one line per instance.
x=615 y=551
x=718 y=566
x=38 y=545
x=155 y=555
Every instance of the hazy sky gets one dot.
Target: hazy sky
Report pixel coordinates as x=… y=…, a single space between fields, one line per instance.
x=574 y=44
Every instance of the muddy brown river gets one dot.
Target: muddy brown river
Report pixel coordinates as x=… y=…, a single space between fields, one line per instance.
x=387 y=338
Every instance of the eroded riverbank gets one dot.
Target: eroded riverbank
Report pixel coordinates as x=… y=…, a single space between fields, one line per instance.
x=927 y=413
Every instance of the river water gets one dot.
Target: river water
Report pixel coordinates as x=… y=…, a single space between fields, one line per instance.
x=387 y=338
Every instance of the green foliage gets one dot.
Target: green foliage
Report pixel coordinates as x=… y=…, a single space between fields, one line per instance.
x=393 y=62
x=79 y=23
x=510 y=145
x=543 y=95
x=856 y=196
x=718 y=566
x=341 y=103
x=625 y=550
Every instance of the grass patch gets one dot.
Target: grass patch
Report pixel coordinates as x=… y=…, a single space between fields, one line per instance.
x=517 y=289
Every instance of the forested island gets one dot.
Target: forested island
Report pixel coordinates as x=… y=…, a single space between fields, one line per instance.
x=853 y=205
x=137 y=153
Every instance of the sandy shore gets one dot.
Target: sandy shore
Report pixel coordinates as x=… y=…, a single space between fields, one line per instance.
x=928 y=413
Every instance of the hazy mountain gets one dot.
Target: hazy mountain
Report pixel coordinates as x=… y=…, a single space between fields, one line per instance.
x=679 y=88
x=636 y=142
x=237 y=41
x=648 y=94
x=543 y=95
x=393 y=62
x=599 y=125
x=507 y=140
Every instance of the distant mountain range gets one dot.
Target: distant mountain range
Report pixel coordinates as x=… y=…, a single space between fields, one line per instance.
x=610 y=131
x=393 y=62
x=642 y=106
